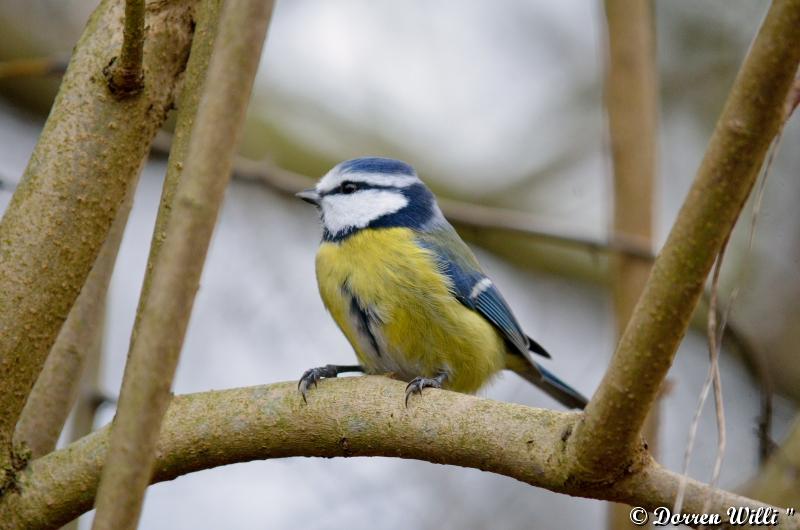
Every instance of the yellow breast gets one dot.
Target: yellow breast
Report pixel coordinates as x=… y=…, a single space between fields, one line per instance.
x=420 y=328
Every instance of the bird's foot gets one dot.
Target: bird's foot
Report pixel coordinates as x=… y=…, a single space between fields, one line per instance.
x=418 y=383
x=312 y=376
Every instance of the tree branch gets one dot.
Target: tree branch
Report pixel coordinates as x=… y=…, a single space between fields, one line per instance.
x=604 y=443
x=358 y=416
x=33 y=67
x=631 y=95
x=154 y=352
x=207 y=21
x=86 y=160
x=81 y=336
x=125 y=74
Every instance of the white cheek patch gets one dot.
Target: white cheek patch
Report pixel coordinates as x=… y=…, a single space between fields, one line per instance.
x=357 y=210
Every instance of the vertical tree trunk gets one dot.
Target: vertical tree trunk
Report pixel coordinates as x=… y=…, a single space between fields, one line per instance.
x=631 y=94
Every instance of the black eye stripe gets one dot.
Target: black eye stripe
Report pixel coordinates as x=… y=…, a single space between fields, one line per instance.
x=338 y=190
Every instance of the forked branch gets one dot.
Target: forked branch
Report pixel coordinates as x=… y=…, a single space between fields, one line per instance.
x=358 y=416
x=605 y=441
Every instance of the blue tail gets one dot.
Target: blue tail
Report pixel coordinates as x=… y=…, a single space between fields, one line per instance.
x=558 y=389
x=552 y=385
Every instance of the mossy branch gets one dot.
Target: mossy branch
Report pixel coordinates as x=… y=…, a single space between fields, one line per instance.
x=85 y=162
x=357 y=416
x=178 y=264
x=605 y=442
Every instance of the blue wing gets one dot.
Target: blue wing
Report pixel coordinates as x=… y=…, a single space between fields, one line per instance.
x=476 y=291
x=473 y=288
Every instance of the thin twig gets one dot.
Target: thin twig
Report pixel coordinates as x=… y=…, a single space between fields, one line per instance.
x=720 y=410
x=765 y=417
x=709 y=381
x=716 y=332
x=756 y=364
x=775 y=486
x=124 y=73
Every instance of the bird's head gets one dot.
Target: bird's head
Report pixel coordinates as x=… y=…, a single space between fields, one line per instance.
x=371 y=193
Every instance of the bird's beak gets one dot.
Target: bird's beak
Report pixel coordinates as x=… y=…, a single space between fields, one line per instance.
x=310 y=196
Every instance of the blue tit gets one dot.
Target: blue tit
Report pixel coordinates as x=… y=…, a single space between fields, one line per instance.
x=408 y=293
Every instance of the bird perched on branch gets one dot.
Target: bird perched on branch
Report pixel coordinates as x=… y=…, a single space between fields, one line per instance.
x=408 y=293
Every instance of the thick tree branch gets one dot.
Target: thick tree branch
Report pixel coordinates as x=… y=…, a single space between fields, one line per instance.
x=86 y=160
x=604 y=442
x=81 y=336
x=125 y=72
x=176 y=272
x=358 y=416
x=631 y=96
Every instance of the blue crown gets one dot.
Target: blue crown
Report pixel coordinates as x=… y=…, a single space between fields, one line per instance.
x=376 y=164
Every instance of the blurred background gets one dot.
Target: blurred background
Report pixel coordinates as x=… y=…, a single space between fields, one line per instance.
x=497 y=106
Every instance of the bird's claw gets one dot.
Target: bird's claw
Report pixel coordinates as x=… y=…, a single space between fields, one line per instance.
x=418 y=383
x=312 y=377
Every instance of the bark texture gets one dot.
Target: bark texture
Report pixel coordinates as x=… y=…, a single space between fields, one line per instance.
x=81 y=337
x=86 y=160
x=355 y=416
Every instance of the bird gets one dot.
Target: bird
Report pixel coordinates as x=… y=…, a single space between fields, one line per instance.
x=408 y=293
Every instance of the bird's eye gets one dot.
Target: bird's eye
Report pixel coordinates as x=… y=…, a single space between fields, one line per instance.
x=349 y=187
